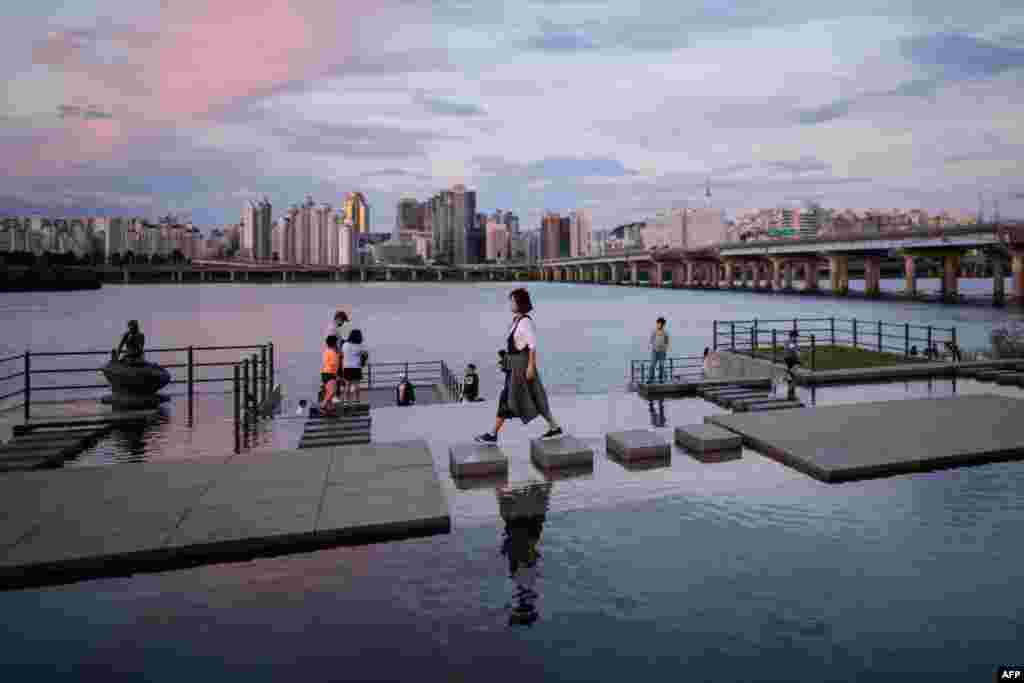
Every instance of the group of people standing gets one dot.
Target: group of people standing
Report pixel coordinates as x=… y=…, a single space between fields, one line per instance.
x=341 y=371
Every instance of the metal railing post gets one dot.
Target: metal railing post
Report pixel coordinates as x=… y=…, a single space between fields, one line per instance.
x=369 y=376
x=238 y=415
x=671 y=370
x=879 y=336
x=732 y=336
x=270 y=371
x=906 y=339
x=265 y=376
x=832 y=329
x=191 y=378
x=714 y=335
x=256 y=372
x=929 y=347
x=956 y=348
x=854 y=333
x=812 y=352
x=753 y=338
x=28 y=385
x=245 y=394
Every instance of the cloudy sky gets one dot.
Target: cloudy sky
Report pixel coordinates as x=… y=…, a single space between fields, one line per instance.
x=142 y=107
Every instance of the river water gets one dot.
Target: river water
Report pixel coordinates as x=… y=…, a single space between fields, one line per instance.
x=740 y=570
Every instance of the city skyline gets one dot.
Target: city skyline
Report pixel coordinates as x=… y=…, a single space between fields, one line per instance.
x=584 y=107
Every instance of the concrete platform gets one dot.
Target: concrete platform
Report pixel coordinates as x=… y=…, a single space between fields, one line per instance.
x=79 y=523
x=638 y=444
x=691 y=387
x=865 y=440
x=702 y=438
x=565 y=451
x=1012 y=379
x=476 y=460
x=733 y=401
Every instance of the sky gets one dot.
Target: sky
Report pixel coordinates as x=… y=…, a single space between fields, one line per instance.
x=144 y=107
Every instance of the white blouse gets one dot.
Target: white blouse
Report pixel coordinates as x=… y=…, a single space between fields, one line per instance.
x=526 y=334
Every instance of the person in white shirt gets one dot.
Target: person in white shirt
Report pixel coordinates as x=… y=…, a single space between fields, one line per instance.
x=352 y=361
x=524 y=395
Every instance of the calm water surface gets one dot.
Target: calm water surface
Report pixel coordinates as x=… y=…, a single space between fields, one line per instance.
x=743 y=570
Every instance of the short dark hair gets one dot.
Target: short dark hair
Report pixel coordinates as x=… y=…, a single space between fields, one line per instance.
x=341 y=315
x=522 y=299
x=707 y=350
x=332 y=341
x=794 y=333
x=471 y=366
x=660 y=320
x=355 y=337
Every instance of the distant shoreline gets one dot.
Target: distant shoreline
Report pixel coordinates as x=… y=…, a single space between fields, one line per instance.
x=36 y=279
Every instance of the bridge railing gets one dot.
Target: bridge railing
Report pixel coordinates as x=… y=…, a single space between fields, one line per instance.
x=30 y=382
x=671 y=369
x=766 y=337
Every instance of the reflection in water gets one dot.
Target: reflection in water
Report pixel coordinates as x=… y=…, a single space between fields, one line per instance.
x=523 y=508
x=657 y=418
x=131 y=437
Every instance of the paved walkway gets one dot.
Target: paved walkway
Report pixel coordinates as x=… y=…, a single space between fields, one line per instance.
x=78 y=523
x=864 y=440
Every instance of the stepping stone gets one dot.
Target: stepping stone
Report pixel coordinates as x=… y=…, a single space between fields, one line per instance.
x=711 y=457
x=781 y=404
x=337 y=428
x=350 y=441
x=1012 y=379
x=731 y=401
x=746 y=403
x=991 y=375
x=702 y=438
x=637 y=444
x=476 y=460
x=643 y=464
x=334 y=436
x=565 y=451
x=569 y=472
x=494 y=481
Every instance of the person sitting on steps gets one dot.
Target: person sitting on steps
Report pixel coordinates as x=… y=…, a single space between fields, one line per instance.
x=471 y=384
x=405 y=394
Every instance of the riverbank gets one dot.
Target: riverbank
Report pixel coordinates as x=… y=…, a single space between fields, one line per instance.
x=23 y=279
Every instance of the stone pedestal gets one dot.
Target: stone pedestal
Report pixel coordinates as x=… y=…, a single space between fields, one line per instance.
x=476 y=460
x=702 y=438
x=637 y=444
x=565 y=451
x=135 y=387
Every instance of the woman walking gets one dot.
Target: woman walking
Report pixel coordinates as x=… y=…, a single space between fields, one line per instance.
x=523 y=396
x=336 y=329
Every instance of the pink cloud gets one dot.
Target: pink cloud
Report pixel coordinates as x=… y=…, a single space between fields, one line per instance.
x=193 y=60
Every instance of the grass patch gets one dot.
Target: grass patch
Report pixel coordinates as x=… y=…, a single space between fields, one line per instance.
x=827 y=357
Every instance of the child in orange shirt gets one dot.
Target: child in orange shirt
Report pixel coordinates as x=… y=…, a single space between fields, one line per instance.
x=329 y=374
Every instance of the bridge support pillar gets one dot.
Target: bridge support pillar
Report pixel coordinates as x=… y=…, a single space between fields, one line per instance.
x=744 y=274
x=634 y=274
x=387 y=274
x=730 y=276
x=362 y=274
x=811 y=275
x=232 y=276
x=126 y=277
x=465 y=275
x=839 y=274
x=998 y=280
x=1017 y=267
x=910 y=276
x=414 y=275
x=775 y=266
x=872 y=276
x=439 y=276
x=787 y=268
x=580 y=274
x=950 y=277
x=659 y=274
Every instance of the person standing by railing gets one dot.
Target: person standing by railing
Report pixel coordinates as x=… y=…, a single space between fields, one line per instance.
x=353 y=358
x=660 y=343
x=336 y=329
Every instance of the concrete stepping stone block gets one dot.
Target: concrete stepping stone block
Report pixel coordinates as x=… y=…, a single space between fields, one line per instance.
x=642 y=464
x=703 y=438
x=565 y=451
x=494 y=481
x=1011 y=379
x=712 y=457
x=746 y=403
x=476 y=460
x=637 y=444
x=568 y=472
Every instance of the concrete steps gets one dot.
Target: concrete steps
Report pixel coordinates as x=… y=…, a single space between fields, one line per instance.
x=349 y=427
x=746 y=399
x=47 y=447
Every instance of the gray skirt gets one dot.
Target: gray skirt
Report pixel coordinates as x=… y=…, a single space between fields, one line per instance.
x=519 y=398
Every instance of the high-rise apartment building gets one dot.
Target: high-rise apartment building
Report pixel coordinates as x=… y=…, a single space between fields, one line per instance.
x=356 y=210
x=256 y=235
x=498 y=240
x=580 y=233
x=455 y=238
x=549 y=228
x=407 y=218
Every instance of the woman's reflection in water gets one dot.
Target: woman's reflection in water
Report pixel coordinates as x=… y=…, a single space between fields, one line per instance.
x=523 y=508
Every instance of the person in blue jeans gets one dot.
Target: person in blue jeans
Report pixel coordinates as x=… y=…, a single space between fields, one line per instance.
x=660 y=343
